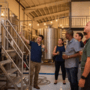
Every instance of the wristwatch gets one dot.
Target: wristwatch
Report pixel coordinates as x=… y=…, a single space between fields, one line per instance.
x=83 y=77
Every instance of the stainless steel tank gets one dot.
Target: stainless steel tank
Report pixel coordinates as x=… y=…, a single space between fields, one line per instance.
x=50 y=40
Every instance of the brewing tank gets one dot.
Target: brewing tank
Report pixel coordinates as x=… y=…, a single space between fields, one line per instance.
x=50 y=40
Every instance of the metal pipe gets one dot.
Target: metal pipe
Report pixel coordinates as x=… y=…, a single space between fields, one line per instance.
x=19 y=15
x=20 y=4
x=70 y=19
x=0 y=24
x=22 y=74
x=29 y=69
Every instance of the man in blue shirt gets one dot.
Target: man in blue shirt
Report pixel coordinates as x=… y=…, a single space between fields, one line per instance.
x=35 y=63
x=72 y=52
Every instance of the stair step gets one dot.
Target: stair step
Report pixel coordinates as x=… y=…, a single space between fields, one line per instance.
x=10 y=50
x=13 y=38
x=5 y=62
x=11 y=71
x=17 y=80
x=10 y=25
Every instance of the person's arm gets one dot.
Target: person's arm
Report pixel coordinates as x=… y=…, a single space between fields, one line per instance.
x=77 y=49
x=27 y=41
x=55 y=51
x=87 y=64
x=77 y=54
x=87 y=68
x=71 y=56
x=46 y=50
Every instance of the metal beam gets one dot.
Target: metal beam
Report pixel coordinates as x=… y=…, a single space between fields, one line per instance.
x=30 y=16
x=40 y=11
x=20 y=4
x=28 y=10
x=44 y=11
x=36 y=13
x=53 y=9
x=54 y=14
x=48 y=10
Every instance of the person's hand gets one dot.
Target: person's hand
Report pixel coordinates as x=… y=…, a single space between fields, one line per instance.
x=43 y=46
x=81 y=53
x=65 y=57
x=20 y=33
x=54 y=54
x=81 y=83
x=58 y=53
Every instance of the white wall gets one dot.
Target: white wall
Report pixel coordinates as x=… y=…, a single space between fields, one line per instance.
x=81 y=8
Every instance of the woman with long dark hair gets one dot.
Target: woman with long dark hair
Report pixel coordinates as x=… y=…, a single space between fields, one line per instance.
x=59 y=61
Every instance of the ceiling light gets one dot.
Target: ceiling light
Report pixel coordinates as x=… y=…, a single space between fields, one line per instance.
x=37 y=24
x=56 y=20
x=2 y=14
x=51 y=22
x=30 y=24
x=44 y=23
x=60 y=24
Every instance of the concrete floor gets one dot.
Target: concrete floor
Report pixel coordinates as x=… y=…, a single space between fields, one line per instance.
x=48 y=72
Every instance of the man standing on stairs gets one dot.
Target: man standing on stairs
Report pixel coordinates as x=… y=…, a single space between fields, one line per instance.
x=35 y=63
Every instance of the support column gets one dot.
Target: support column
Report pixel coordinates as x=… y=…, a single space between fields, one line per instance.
x=70 y=17
x=0 y=36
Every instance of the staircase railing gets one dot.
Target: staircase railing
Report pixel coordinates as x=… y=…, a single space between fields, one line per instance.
x=6 y=23
x=17 y=47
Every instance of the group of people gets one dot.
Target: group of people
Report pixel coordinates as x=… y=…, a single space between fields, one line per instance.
x=67 y=57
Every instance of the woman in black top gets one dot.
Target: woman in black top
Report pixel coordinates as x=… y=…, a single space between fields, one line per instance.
x=59 y=61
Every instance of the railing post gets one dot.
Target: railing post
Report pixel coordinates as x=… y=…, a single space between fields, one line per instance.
x=22 y=74
x=29 y=69
x=70 y=18
x=86 y=19
x=0 y=34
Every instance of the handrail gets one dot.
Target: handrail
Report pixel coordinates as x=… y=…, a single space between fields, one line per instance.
x=18 y=35
x=15 y=44
x=17 y=52
x=18 y=48
x=11 y=37
x=11 y=59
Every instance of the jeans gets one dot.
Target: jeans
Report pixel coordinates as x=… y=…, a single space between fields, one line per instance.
x=72 y=77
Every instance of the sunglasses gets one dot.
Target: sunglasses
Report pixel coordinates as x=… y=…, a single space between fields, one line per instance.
x=84 y=33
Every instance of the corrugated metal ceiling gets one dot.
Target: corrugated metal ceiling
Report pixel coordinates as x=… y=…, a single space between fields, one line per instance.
x=46 y=10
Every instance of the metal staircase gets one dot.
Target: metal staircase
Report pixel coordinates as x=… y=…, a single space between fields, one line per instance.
x=14 y=75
